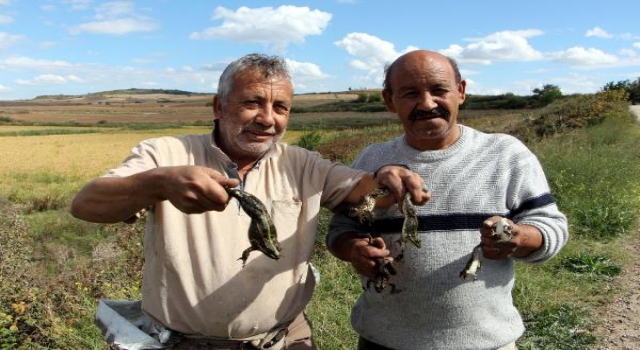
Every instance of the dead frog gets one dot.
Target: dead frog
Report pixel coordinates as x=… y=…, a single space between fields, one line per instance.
x=262 y=231
x=502 y=229
x=364 y=211
x=384 y=271
x=382 y=280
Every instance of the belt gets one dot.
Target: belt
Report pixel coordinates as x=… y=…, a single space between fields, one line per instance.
x=273 y=340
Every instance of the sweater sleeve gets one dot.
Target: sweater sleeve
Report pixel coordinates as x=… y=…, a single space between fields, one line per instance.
x=531 y=203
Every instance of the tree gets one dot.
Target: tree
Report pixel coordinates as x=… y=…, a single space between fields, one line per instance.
x=546 y=95
x=631 y=87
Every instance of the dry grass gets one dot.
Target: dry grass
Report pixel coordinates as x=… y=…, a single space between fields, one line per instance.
x=120 y=108
x=83 y=155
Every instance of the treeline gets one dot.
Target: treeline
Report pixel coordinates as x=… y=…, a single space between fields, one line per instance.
x=540 y=97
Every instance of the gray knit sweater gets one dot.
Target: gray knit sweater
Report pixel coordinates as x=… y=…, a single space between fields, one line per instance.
x=479 y=176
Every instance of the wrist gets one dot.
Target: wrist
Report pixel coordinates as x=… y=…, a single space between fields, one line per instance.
x=375 y=173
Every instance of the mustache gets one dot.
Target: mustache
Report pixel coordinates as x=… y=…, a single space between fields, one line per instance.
x=255 y=127
x=436 y=112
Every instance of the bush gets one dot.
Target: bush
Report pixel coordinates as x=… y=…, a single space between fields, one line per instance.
x=571 y=113
x=310 y=140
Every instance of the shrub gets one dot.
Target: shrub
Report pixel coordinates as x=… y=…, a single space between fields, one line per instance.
x=558 y=327
x=597 y=266
x=571 y=113
x=310 y=140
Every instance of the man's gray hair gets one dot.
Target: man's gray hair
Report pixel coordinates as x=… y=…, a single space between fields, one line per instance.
x=386 y=83
x=268 y=66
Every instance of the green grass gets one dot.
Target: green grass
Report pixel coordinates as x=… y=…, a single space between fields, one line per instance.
x=54 y=268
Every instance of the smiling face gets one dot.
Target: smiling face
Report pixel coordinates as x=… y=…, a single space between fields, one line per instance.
x=425 y=94
x=253 y=116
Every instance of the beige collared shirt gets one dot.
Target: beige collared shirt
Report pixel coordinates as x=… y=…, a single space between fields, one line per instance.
x=193 y=281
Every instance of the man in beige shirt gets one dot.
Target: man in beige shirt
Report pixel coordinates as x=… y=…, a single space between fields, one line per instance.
x=194 y=284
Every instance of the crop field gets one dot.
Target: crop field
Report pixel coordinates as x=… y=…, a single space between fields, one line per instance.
x=54 y=268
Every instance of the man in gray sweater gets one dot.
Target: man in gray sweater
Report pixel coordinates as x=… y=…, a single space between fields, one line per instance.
x=476 y=179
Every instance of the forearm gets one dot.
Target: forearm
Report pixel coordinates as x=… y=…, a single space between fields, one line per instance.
x=366 y=184
x=115 y=199
x=342 y=245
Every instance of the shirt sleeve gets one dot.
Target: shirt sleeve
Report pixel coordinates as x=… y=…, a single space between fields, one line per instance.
x=143 y=157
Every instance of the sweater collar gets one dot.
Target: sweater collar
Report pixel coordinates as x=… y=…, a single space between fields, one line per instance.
x=465 y=134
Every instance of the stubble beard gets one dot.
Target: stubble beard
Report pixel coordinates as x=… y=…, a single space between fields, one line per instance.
x=236 y=144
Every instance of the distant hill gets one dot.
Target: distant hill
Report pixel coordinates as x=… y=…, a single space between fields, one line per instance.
x=132 y=91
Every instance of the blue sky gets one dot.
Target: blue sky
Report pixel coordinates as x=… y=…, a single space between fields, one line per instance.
x=84 y=46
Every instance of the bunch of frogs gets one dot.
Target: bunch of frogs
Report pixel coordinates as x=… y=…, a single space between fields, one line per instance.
x=364 y=211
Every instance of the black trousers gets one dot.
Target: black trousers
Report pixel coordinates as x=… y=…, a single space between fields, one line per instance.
x=364 y=344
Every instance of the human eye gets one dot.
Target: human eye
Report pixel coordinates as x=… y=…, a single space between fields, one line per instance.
x=440 y=90
x=251 y=104
x=408 y=93
x=281 y=108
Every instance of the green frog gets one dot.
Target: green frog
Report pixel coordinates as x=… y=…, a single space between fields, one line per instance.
x=262 y=232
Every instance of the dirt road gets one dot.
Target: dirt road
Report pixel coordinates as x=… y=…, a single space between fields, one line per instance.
x=636 y=109
x=621 y=327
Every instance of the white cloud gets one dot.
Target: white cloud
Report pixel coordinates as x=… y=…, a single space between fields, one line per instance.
x=628 y=36
x=371 y=55
x=373 y=51
x=628 y=53
x=142 y=60
x=7 y=39
x=499 y=46
x=636 y=45
x=115 y=26
x=584 y=57
x=578 y=84
x=116 y=18
x=302 y=71
x=4 y=88
x=114 y=9
x=27 y=63
x=276 y=27
x=43 y=79
x=598 y=33
x=74 y=79
x=4 y=2
x=48 y=8
x=4 y=19
x=47 y=44
x=77 y=5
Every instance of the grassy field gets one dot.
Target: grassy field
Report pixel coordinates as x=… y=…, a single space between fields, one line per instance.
x=54 y=268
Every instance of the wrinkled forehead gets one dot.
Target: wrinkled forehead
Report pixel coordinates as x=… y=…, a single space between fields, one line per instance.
x=425 y=69
x=246 y=77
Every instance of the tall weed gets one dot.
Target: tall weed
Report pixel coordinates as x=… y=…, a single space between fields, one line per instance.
x=594 y=176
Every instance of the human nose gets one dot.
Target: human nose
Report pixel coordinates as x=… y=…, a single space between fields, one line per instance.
x=426 y=101
x=266 y=116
